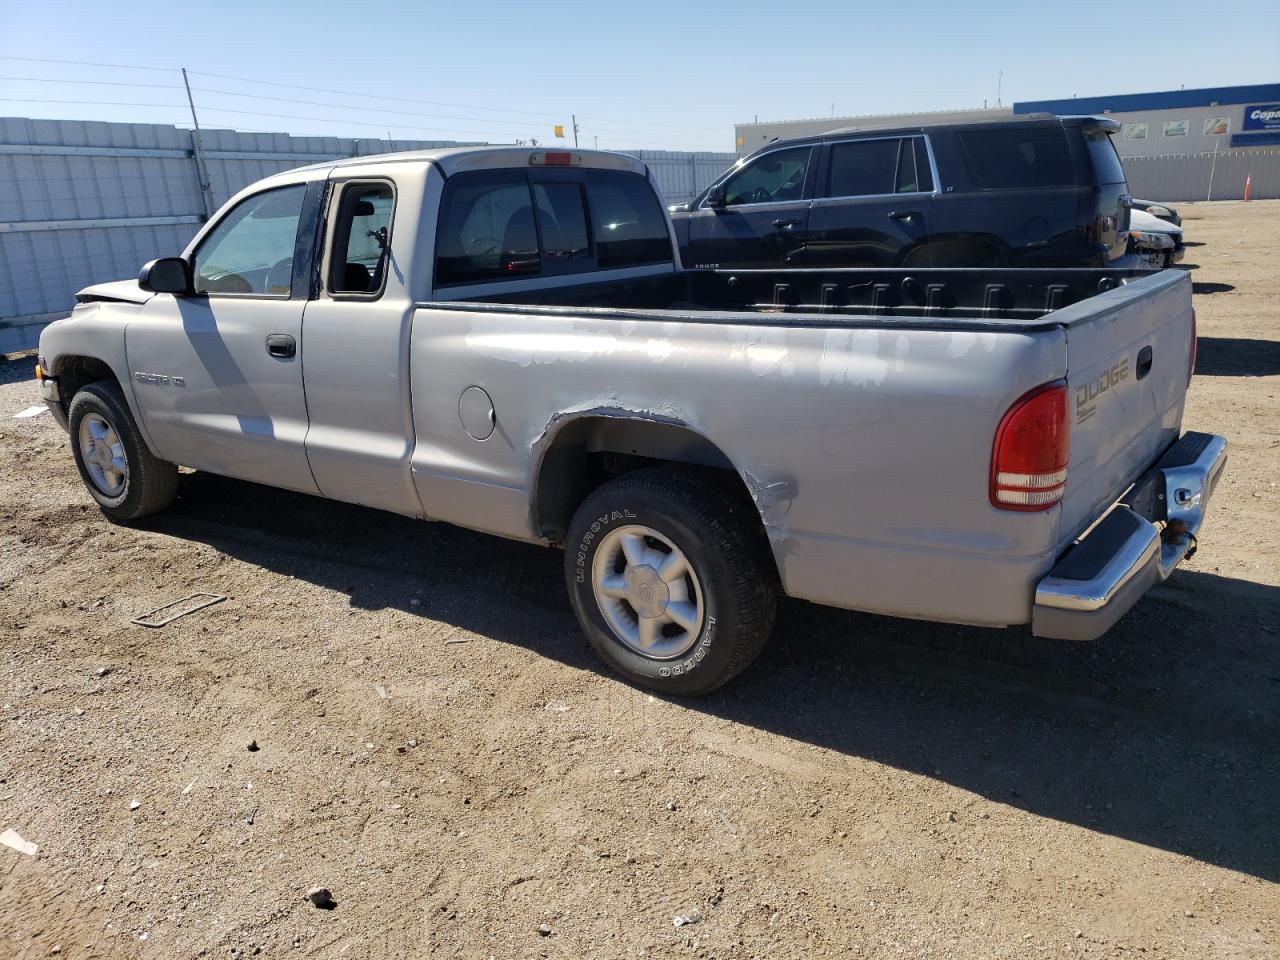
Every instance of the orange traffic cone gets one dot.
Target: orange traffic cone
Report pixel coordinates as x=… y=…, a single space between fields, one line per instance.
x=1248 y=182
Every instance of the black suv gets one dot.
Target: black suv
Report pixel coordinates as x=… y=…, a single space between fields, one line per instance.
x=1034 y=191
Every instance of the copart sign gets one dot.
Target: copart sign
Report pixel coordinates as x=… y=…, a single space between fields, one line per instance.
x=1262 y=116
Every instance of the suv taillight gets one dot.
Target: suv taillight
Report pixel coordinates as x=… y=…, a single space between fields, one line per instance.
x=1029 y=457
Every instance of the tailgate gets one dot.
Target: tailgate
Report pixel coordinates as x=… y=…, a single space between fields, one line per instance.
x=1128 y=357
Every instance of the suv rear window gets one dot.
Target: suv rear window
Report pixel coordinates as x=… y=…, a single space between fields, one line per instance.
x=1019 y=157
x=1106 y=162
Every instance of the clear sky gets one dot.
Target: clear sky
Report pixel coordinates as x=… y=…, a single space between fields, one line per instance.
x=655 y=74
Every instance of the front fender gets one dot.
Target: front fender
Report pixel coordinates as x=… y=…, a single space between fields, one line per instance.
x=93 y=335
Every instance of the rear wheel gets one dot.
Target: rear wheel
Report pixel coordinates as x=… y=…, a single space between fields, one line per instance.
x=118 y=470
x=671 y=579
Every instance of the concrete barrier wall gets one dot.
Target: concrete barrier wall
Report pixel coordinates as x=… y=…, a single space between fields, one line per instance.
x=1204 y=176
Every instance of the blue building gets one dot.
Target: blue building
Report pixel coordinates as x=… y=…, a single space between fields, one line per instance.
x=1213 y=119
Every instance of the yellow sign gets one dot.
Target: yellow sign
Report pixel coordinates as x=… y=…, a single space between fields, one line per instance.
x=559 y=129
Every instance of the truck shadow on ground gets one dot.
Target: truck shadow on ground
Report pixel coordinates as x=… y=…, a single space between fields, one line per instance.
x=1237 y=357
x=1166 y=732
x=1204 y=289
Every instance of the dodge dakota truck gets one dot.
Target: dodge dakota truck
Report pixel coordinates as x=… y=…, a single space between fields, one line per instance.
x=504 y=339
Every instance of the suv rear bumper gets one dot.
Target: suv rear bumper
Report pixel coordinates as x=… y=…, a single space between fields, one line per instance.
x=1135 y=546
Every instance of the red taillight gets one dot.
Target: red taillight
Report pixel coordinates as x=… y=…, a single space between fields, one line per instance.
x=1191 y=367
x=1029 y=458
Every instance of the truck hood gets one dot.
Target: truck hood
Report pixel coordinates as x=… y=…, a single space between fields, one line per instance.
x=119 y=291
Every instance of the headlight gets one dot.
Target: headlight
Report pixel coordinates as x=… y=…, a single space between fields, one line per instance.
x=1151 y=241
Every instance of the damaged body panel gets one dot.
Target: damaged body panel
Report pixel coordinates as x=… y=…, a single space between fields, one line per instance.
x=838 y=436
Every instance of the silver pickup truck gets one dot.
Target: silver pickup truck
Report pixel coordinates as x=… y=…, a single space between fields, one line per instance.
x=504 y=339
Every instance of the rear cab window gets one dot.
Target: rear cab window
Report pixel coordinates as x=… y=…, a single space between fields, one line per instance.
x=1019 y=158
x=511 y=224
x=629 y=225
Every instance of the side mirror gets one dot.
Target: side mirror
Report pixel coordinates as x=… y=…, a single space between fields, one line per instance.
x=166 y=275
x=715 y=198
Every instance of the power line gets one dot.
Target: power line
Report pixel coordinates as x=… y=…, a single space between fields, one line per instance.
x=92 y=103
x=365 y=108
x=378 y=96
x=348 y=93
x=522 y=124
x=247 y=113
x=434 y=103
x=359 y=123
x=87 y=63
x=487 y=134
x=97 y=83
x=344 y=106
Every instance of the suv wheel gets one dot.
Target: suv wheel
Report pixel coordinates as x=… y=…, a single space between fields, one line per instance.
x=671 y=579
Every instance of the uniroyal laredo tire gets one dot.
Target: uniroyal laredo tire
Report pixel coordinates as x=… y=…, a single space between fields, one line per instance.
x=149 y=484
x=718 y=534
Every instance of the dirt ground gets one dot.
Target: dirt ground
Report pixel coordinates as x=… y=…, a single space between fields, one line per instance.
x=439 y=747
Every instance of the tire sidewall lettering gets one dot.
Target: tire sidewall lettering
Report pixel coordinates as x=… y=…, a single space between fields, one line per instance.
x=584 y=547
x=694 y=659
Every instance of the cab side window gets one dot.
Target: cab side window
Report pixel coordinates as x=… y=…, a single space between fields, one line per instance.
x=250 y=252
x=773 y=178
x=362 y=239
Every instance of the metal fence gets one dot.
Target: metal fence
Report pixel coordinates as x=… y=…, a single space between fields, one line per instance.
x=83 y=202
x=1205 y=176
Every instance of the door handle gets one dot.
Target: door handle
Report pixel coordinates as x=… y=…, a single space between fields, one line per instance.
x=786 y=224
x=281 y=345
x=902 y=214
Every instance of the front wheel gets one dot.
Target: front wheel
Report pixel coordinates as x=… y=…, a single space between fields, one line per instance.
x=671 y=580
x=120 y=473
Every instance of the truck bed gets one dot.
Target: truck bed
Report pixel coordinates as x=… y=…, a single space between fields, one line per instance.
x=950 y=298
x=879 y=381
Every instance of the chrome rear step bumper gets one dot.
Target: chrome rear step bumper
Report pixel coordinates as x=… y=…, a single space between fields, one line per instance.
x=1137 y=545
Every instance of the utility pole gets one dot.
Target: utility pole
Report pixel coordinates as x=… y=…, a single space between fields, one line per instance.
x=202 y=169
x=574 y=118
x=999 y=84
x=1213 y=167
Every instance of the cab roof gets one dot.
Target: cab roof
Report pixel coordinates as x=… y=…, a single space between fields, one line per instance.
x=453 y=160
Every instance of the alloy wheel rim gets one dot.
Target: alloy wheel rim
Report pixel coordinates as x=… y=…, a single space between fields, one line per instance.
x=648 y=592
x=103 y=454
